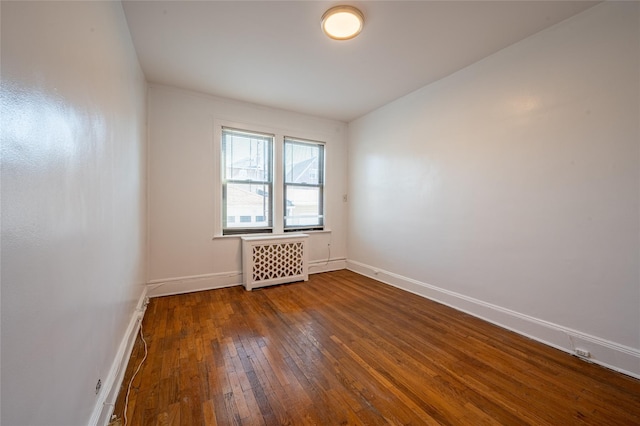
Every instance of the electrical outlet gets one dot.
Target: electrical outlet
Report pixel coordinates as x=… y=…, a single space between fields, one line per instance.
x=583 y=353
x=98 y=386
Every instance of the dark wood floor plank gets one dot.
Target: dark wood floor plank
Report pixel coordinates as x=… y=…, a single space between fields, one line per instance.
x=345 y=349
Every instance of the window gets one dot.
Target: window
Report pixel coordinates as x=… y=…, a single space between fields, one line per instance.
x=268 y=182
x=247 y=182
x=303 y=185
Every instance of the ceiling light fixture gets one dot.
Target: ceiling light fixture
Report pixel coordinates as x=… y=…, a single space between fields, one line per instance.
x=342 y=22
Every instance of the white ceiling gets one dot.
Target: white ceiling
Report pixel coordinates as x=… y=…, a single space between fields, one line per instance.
x=273 y=53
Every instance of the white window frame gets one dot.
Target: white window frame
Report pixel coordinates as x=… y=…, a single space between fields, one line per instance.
x=320 y=185
x=240 y=230
x=278 y=172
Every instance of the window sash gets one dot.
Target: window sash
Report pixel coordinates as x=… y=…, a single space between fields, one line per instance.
x=288 y=220
x=256 y=177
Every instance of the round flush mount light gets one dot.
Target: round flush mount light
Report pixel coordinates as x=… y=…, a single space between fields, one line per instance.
x=342 y=22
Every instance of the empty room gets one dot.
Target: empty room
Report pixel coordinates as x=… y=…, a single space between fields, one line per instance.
x=320 y=213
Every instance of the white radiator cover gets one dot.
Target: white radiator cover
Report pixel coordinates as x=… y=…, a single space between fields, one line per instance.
x=274 y=259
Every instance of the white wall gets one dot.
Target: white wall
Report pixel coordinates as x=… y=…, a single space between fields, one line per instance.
x=510 y=189
x=184 y=180
x=73 y=205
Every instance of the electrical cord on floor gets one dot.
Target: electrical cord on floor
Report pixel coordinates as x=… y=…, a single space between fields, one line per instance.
x=126 y=400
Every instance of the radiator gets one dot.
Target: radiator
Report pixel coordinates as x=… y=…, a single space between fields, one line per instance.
x=274 y=259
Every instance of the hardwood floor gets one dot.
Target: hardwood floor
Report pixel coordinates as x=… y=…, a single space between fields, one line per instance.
x=344 y=349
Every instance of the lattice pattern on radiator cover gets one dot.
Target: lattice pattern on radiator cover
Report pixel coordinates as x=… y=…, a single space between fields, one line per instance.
x=277 y=261
x=274 y=259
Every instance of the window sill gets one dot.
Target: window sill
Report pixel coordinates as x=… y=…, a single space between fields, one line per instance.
x=283 y=234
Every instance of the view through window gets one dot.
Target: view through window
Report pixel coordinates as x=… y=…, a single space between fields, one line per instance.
x=303 y=184
x=247 y=182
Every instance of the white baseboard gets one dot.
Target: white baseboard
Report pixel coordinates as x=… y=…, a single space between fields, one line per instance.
x=603 y=352
x=191 y=283
x=109 y=391
x=319 y=266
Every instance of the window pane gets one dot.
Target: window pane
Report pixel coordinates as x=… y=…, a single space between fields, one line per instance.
x=303 y=206
x=247 y=159
x=246 y=156
x=303 y=163
x=248 y=205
